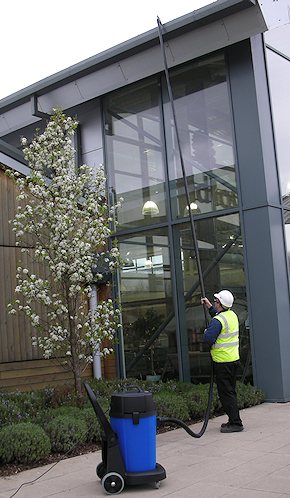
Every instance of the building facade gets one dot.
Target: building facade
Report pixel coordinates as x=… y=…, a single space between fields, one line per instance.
x=231 y=122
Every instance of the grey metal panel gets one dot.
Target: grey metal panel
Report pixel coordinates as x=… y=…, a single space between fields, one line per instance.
x=217 y=35
x=269 y=300
x=279 y=39
x=83 y=89
x=91 y=129
x=265 y=255
x=16 y=118
x=265 y=121
x=94 y=158
x=276 y=13
x=259 y=179
x=12 y=163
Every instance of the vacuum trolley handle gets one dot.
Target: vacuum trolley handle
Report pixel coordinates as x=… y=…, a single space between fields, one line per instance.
x=109 y=433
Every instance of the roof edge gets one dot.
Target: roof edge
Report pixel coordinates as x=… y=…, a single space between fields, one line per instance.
x=180 y=25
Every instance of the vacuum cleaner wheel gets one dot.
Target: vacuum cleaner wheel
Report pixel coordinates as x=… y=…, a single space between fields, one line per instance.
x=113 y=483
x=101 y=470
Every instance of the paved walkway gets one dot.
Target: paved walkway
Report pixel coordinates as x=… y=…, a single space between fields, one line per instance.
x=251 y=464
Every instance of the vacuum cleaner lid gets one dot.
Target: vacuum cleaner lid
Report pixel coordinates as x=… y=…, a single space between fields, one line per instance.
x=125 y=403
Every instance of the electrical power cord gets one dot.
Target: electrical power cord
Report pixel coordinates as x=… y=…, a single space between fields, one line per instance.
x=50 y=468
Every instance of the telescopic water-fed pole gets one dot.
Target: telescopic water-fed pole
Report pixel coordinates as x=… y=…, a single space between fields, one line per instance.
x=194 y=237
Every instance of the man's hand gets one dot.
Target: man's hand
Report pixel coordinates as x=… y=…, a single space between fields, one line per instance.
x=205 y=302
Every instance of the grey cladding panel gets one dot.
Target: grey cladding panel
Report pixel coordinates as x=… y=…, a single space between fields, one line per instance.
x=199 y=42
x=91 y=130
x=13 y=164
x=100 y=81
x=93 y=159
x=83 y=89
x=269 y=293
x=16 y=118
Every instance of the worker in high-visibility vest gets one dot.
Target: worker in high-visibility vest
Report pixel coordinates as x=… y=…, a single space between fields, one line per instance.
x=222 y=334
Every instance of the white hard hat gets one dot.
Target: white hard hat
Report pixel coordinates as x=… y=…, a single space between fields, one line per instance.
x=225 y=297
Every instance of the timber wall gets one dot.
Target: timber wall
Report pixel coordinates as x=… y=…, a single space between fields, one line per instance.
x=22 y=365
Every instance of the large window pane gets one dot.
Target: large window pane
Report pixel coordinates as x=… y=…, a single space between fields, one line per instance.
x=147 y=307
x=221 y=254
x=134 y=159
x=204 y=125
x=279 y=89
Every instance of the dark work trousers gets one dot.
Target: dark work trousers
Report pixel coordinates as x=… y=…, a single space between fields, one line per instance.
x=225 y=376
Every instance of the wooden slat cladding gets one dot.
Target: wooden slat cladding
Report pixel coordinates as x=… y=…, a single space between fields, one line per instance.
x=7 y=209
x=22 y=365
x=15 y=330
x=35 y=374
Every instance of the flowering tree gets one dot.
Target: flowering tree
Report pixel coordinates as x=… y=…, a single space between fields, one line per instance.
x=65 y=214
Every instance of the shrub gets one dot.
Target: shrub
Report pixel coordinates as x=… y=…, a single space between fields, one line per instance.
x=20 y=406
x=93 y=426
x=170 y=404
x=66 y=432
x=72 y=411
x=23 y=443
x=9 y=411
x=44 y=418
x=197 y=402
x=248 y=395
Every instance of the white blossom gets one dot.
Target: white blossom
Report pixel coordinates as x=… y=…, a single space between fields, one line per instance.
x=68 y=220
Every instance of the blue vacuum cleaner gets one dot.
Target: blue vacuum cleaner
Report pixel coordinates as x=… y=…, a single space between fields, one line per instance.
x=128 y=440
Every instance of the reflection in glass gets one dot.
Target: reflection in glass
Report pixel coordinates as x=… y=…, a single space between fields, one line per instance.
x=134 y=159
x=146 y=299
x=204 y=123
x=279 y=90
x=221 y=253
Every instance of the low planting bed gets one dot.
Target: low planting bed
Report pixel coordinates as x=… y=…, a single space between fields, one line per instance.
x=41 y=427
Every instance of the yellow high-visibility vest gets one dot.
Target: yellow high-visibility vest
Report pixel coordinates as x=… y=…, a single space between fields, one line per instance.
x=226 y=347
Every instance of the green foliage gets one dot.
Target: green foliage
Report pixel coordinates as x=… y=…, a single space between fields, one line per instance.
x=23 y=443
x=72 y=411
x=171 y=405
x=20 y=406
x=65 y=432
x=58 y=412
x=46 y=416
x=197 y=401
x=93 y=426
x=248 y=395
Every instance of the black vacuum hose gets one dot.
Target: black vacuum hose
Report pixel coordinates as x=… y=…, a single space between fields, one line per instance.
x=195 y=242
x=180 y=423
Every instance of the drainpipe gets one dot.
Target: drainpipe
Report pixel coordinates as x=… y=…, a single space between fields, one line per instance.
x=97 y=367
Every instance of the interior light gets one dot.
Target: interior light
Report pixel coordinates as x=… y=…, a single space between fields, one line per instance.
x=193 y=207
x=150 y=208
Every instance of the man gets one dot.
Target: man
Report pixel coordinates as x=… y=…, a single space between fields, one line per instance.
x=222 y=334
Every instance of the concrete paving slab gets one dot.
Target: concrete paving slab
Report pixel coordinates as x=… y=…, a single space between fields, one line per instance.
x=252 y=464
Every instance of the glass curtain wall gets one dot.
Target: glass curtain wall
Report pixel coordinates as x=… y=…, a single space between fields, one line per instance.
x=147 y=306
x=134 y=154
x=279 y=89
x=163 y=321
x=221 y=254
x=204 y=124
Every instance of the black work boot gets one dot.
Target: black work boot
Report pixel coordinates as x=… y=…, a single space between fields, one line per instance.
x=232 y=428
